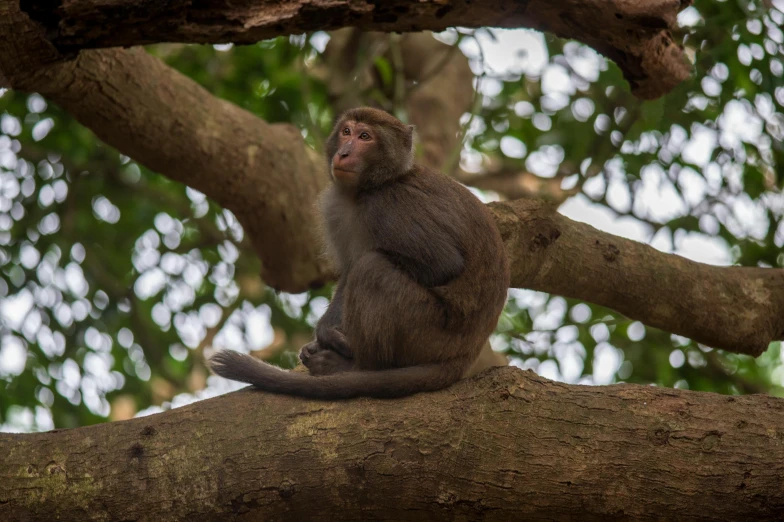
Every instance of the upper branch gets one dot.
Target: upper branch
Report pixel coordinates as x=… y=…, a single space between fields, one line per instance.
x=633 y=33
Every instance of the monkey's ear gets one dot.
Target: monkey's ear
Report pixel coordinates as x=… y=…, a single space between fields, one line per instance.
x=409 y=137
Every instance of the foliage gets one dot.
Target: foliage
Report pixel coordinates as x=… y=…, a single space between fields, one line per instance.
x=115 y=280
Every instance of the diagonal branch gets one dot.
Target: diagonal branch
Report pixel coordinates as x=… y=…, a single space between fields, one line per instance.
x=634 y=34
x=269 y=178
x=515 y=183
x=738 y=309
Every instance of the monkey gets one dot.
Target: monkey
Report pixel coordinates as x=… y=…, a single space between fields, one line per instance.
x=423 y=274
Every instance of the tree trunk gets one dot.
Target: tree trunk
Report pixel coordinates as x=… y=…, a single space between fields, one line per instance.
x=507 y=445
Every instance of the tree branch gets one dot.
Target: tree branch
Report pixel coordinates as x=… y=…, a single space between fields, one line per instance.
x=635 y=34
x=167 y=122
x=516 y=183
x=739 y=309
x=621 y=452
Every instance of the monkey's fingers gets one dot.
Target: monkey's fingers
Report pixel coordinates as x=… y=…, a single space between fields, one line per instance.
x=326 y=362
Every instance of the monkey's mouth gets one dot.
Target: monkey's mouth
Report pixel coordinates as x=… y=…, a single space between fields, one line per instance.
x=343 y=174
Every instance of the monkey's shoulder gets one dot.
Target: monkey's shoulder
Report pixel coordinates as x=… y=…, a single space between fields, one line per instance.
x=420 y=185
x=424 y=209
x=438 y=198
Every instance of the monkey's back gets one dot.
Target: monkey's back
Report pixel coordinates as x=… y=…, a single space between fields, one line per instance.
x=480 y=291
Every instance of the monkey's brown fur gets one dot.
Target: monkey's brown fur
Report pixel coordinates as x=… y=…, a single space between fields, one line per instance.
x=423 y=274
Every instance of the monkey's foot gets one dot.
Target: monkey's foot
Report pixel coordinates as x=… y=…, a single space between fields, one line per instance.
x=323 y=361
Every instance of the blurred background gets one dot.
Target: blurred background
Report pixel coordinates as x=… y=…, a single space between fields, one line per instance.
x=116 y=282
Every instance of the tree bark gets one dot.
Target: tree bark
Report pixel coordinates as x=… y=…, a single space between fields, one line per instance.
x=634 y=34
x=739 y=309
x=269 y=178
x=507 y=445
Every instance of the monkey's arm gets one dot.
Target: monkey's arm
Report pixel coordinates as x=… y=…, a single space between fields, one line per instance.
x=328 y=334
x=334 y=314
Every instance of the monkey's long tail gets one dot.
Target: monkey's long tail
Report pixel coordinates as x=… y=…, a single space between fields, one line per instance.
x=397 y=382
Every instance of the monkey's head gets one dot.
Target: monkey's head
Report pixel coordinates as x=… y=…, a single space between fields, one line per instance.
x=369 y=147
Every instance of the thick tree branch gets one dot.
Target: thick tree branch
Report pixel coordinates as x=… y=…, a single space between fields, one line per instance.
x=735 y=308
x=167 y=122
x=635 y=34
x=507 y=445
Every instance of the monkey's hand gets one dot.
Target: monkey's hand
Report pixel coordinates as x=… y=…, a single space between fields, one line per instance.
x=333 y=339
x=323 y=361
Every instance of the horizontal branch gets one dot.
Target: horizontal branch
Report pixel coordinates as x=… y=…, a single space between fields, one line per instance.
x=738 y=309
x=269 y=178
x=507 y=445
x=634 y=34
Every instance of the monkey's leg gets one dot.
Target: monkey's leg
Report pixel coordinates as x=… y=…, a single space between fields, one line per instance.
x=328 y=334
x=333 y=339
x=329 y=352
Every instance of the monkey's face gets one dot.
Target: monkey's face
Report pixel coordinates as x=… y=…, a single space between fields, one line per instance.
x=368 y=147
x=357 y=151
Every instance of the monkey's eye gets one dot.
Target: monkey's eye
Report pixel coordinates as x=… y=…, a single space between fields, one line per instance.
x=346 y=131
x=364 y=136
